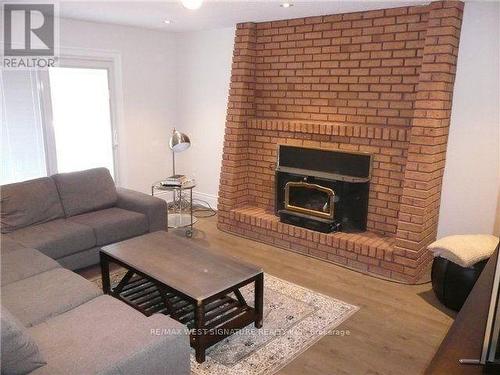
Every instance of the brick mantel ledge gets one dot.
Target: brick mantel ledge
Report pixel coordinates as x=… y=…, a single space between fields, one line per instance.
x=390 y=133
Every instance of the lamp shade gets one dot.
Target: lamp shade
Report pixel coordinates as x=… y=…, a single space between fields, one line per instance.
x=179 y=141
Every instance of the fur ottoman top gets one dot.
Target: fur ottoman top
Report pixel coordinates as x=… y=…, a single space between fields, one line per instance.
x=465 y=250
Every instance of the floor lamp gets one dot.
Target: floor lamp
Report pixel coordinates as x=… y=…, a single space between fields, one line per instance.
x=178 y=142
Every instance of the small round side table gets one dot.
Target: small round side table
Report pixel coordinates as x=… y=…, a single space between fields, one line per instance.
x=179 y=218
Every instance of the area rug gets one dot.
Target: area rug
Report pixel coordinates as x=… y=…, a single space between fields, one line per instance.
x=294 y=319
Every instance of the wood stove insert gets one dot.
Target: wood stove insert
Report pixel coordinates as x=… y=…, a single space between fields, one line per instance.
x=322 y=190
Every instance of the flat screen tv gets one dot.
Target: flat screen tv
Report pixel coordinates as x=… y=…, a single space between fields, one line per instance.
x=490 y=356
x=490 y=353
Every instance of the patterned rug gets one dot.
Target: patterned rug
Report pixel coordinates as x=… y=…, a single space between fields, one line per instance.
x=294 y=319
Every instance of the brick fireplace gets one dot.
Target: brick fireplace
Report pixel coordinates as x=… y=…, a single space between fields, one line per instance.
x=377 y=82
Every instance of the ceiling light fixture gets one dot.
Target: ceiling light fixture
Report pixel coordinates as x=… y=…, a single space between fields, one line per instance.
x=192 y=4
x=168 y=22
x=286 y=5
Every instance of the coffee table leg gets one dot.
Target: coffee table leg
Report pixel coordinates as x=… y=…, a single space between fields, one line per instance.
x=259 y=300
x=199 y=324
x=106 y=283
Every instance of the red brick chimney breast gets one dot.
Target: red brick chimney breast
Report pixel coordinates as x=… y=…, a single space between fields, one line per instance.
x=379 y=82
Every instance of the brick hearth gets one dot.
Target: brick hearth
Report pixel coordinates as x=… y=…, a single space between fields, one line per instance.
x=379 y=82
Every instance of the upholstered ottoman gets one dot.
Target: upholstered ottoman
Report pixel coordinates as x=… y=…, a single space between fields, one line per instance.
x=452 y=283
x=458 y=262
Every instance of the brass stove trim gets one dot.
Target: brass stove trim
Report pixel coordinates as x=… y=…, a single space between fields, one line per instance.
x=308 y=211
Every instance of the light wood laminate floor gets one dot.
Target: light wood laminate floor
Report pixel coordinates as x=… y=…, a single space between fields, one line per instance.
x=396 y=331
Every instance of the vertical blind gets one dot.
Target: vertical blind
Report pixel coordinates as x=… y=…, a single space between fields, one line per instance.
x=22 y=141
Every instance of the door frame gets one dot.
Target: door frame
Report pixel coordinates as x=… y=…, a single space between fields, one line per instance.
x=85 y=58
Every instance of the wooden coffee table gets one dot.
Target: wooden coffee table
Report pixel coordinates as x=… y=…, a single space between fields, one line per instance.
x=190 y=283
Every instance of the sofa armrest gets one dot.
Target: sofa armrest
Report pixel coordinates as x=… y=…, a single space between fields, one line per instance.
x=154 y=208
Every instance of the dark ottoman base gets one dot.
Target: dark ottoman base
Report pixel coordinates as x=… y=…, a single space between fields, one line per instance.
x=452 y=283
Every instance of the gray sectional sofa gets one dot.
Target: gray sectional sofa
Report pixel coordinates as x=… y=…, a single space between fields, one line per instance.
x=54 y=321
x=69 y=216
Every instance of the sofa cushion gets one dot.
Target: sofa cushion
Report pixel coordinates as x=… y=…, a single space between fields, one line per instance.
x=56 y=238
x=20 y=353
x=105 y=336
x=47 y=294
x=23 y=263
x=81 y=259
x=8 y=245
x=113 y=224
x=85 y=191
x=29 y=202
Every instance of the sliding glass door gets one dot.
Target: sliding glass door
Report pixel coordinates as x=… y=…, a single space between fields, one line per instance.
x=58 y=120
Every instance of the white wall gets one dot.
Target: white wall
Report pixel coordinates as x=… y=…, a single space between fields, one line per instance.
x=203 y=74
x=469 y=202
x=148 y=76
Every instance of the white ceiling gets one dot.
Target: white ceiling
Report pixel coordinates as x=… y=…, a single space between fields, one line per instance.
x=213 y=14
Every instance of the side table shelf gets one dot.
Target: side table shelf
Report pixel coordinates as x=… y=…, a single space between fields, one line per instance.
x=178 y=218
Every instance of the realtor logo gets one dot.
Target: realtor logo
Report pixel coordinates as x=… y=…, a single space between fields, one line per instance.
x=29 y=31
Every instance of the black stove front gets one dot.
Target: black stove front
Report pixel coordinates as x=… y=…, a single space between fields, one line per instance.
x=322 y=190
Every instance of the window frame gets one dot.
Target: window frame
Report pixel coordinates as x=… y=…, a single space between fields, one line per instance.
x=87 y=59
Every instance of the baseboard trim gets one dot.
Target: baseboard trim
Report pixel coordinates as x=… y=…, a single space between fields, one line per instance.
x=209 y=198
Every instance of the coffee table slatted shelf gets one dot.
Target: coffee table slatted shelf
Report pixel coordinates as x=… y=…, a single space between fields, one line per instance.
x=147 y=297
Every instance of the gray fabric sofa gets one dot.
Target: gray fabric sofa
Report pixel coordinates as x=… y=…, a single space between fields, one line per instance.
x=55 y=321
x=69 y=216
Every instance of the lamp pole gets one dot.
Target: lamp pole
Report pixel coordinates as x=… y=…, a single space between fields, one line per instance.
x=173 y=163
